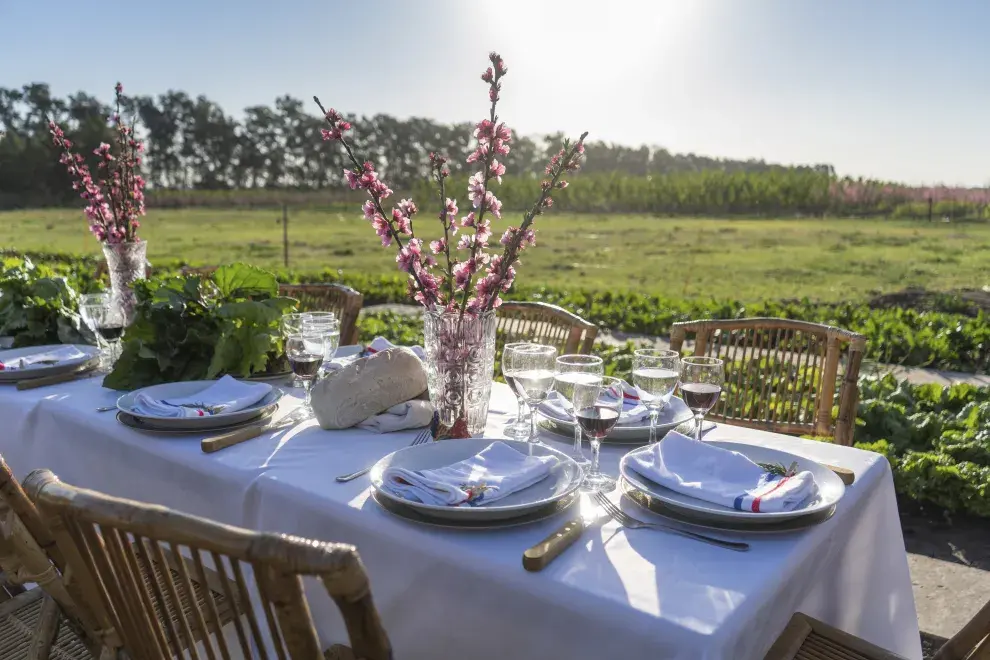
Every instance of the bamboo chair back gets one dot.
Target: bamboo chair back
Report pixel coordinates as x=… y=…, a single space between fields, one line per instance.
x=342 y=300
x=544 y=324
x=120 y=547
x=780 y=374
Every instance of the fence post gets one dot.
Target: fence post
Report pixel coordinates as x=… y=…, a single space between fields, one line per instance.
x=929 y=209
x=285 y=234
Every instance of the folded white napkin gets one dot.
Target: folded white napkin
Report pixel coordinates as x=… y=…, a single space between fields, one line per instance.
x=720 y=476
x=413 y=414
x=224 y=396
x=633 y=411
x=494 y=473
x=380 y=344
x=45 y=359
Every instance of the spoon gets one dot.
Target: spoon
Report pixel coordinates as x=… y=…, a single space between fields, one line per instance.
x=106 y=408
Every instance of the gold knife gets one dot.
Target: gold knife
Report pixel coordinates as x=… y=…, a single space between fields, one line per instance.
x=31 y=383
x=540 y=555
x=224 y=440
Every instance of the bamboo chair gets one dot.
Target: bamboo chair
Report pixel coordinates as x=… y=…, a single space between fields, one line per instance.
x=545 y=324
x=806 y=638
x=113 y=540
x=780 y=374
x=44 y=622
x=342 y=300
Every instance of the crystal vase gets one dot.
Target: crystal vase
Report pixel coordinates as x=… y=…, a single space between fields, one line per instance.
x=126 y=262
x=460 y=363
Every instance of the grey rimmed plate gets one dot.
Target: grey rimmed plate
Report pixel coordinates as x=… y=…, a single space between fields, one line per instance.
x=659 y=508
x=408 y=513
x=830 y=487
x=125 y=404
x=139 y=424
x=564 y=479
x=90 y=354
x=673 y=415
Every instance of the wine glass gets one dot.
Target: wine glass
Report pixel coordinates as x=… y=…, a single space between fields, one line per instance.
x=106 y=320
x=327 y=324
x=571 y=371
x=597 y=407
x=701 y=385
x=531 y=367
x=291 y=324
x=305 y=352
x=655 y=374
x=519 y=429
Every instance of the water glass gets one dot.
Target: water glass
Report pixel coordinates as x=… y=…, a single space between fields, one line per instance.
x=532 y=372
x=305 y=352
x=597 y=407
x=326 y=323
x=572 y=370
x=520 y=429
x=701 y=385
x=655 y=375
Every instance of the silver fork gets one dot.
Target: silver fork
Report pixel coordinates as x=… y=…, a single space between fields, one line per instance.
x=626 y=520
x=420 y=439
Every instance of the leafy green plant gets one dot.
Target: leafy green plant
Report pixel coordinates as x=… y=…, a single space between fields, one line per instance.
x=192 y=328
x=37 y=307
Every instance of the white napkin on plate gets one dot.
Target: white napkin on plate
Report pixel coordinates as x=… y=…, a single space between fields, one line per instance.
x=720 y=476
x=37 y=360
x=380 y=344
x=633 y=411
x=224 y=396
x=494 y=473
x=413 y=414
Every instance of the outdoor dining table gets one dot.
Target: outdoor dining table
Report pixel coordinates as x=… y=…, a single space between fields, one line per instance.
x=617 y=593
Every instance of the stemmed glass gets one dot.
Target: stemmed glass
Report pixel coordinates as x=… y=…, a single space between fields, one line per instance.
x=292 y=325
x=598 y=405
x=106 y=320
x=327 y=324
x=573 y=370
x=305 y=352
x=520 y=428
x=655 y=373
x=701 y=385
x=531 y=367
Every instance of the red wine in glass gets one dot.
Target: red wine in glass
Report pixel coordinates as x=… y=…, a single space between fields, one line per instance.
x=700 y=397
x=305 y=366
x=597 y=421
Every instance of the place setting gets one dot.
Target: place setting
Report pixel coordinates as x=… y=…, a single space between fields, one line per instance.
x=38 y=366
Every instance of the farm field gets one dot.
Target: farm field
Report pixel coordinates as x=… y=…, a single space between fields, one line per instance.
x=743 y=259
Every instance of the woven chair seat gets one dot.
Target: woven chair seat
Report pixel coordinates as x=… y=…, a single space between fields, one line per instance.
x=22 y=624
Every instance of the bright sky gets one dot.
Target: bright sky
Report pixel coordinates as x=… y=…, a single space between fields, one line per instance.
x=896 y=89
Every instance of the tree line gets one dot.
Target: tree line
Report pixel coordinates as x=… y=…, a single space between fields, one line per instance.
x=192 y=143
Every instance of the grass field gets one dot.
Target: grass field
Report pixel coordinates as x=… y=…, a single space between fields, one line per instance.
x=744 y=259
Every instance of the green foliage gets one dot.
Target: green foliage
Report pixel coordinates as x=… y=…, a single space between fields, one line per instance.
x=192 y=328
x=37 y=307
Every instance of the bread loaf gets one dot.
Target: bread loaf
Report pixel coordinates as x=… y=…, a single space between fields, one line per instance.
x=369 y=386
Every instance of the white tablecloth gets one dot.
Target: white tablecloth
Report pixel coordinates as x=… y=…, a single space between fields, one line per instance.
x=617 y=593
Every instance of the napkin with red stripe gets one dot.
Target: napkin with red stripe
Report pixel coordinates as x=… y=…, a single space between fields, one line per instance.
x=720 y=476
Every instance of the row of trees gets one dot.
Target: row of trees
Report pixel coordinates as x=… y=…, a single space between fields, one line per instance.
x=193 y=145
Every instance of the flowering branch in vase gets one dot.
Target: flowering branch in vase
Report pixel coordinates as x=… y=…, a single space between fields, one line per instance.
x=474 y=284
x=115 y=200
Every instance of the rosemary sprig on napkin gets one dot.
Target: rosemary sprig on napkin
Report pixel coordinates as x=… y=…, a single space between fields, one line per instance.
x=779 y=469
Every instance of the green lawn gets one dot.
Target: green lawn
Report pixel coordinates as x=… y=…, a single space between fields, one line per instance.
x=745 y=259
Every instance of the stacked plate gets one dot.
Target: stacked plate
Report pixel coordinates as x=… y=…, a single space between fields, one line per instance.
x=686 y=509
x=41 y=361
x=133 y=415
x=674 y=414
x=548 y=497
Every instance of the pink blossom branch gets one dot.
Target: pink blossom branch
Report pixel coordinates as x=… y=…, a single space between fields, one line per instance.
x=440 y=174
x=567 y=159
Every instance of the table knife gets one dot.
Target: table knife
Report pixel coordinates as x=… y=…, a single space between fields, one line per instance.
x=540 y=555
x=31 y=383
x=224 y=440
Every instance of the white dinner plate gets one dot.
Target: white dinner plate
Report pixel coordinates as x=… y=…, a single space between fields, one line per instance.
x=674 y=414
x=830 y=487
x=125 y=404
x=564 y=478
x=90 y=354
